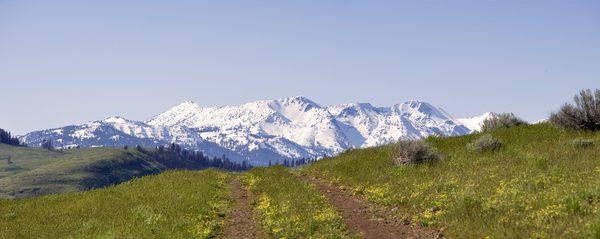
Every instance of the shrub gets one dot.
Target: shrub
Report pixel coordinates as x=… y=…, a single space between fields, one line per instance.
x=413 y=152
x=501 y=121
x=582 y=143
x=48 y=145
x=583 y=115
x=485 y=143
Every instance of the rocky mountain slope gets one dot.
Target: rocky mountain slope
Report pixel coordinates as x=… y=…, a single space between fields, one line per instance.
x=263 y=131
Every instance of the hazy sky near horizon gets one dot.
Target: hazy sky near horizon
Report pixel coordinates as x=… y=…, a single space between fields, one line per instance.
x=69 y=62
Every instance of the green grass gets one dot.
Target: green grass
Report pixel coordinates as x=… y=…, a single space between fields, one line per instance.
x=24 y=159
x=37 y=172
x=536 y=185
x=290 y=208
x=175 y=204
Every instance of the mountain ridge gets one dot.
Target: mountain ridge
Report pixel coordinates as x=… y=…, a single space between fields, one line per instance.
x=264 y=131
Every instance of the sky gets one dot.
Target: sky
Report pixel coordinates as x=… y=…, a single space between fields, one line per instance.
x=69 y=62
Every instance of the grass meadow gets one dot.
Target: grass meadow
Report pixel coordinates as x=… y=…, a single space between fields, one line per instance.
x=174 y=204
x=538 y=184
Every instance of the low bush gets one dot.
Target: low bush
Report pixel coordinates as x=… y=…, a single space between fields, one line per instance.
x=583 y=115
x=485 y=143
x=414 y=151
x=501 y=121
x=582 y=143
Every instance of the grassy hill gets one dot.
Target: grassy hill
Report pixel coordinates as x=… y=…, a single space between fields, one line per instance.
x=538 y=184
x=24 y=159
x=174 y=204
x=34 y=172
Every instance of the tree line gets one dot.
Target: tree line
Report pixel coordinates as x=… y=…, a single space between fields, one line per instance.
x=7 y=138
x=296 y=162
x=175 y=156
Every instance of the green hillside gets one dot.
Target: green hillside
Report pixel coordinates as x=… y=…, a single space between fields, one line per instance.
x=537 y=185
x=24 y=159
x=33 y=172
x=174 y=204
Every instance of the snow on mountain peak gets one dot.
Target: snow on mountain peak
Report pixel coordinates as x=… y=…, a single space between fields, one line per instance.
x=116 y=119
x=474 y=123
x=420 y=108
x=298 y=100
x=366 y=125
x=267 y=130
x=186 y=106
x=176 y=114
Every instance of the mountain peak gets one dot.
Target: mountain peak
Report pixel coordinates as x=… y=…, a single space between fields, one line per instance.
x=299 y=98
x=298 y=101
x=187 y=103
x=186 y=106
x=417 y=104
x=115 y=119
x=176 y=114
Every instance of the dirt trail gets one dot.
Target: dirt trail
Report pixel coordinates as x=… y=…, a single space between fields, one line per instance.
x=240 y=223
x=368 y=219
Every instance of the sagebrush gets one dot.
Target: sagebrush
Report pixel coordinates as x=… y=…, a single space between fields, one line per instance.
x=583 y=115
x=501 y=121
x=415 y=151
x=485 y=143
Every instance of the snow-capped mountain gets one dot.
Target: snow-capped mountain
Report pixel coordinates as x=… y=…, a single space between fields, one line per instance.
x=365 y=125
x=263 y=131
x=292 y=127
x=474 y=123
x=113 y=131
x=118 y=132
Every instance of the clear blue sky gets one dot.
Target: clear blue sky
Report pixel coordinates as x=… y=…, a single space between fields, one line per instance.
x=67 y=62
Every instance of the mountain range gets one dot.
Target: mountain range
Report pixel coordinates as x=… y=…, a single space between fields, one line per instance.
x=267 y=131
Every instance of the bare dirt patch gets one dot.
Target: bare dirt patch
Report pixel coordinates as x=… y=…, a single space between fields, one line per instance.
x=241 y=223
